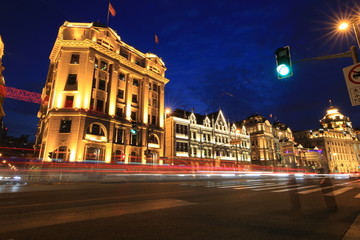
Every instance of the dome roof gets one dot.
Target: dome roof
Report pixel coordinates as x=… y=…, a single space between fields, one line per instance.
x=333 y=113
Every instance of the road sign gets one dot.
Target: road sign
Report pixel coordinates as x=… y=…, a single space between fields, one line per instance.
x=352 y=79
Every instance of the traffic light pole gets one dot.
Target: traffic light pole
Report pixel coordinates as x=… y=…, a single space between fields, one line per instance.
x=351 y=53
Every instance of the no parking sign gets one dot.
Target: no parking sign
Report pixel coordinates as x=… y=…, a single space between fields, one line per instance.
x=352 y=79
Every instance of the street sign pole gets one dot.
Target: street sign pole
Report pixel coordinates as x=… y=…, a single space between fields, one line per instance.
x=352 y=79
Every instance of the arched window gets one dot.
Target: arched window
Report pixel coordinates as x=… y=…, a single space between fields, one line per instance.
x=96 y=129
x=153 y=139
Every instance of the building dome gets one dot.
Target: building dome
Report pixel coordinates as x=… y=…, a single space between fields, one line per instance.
x=335 y=120
x=333 y=113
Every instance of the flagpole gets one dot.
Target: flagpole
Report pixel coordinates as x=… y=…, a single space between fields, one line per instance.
x=155 y=48
x=107 y=19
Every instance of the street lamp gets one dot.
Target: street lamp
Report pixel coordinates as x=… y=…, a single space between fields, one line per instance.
x=167 y=112
x=345 y=26
x=236 y=146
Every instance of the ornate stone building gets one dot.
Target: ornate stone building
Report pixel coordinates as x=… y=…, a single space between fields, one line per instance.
x=208 y=140
x=336 y=139
x=309 y=158
x=271 y=144
x=99 y=88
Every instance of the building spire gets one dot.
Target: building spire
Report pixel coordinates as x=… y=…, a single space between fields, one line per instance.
x=330 y=102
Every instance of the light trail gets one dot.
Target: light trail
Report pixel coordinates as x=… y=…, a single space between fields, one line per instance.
x=19 y=94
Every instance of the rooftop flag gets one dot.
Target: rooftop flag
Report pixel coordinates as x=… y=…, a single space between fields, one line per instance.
x=112 y=10
x=156 y=38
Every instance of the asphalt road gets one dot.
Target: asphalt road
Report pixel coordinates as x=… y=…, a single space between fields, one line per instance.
x=249 y=208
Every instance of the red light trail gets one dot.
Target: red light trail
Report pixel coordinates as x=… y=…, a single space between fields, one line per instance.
x=19 y=94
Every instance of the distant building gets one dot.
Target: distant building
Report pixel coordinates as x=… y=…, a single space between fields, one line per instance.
x=309 y=158
x=271 y=145
x=336 y=139
x=18 y=147
x=99 y=88
x=205 y=140
x=284 y=145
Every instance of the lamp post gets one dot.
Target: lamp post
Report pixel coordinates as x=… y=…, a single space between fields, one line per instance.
x=236 y=146
x=345 y=25
x=167 y=112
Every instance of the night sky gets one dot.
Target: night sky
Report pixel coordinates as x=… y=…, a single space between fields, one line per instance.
x=219 y=54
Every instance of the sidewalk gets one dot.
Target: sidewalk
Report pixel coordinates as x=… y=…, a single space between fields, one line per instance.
x=353 y=233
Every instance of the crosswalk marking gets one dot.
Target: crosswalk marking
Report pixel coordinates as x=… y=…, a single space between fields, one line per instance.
x=271 y=188
x=251 y=187
x=278 y=187
x=338 y=191
x=314 y=190
x=297 y=188
x=242 y=185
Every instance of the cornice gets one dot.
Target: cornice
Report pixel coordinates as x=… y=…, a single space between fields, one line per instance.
x=87 y=43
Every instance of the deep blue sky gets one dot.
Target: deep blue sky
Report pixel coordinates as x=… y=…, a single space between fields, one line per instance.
x=219 y=54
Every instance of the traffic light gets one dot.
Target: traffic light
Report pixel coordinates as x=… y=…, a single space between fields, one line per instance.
x=134 y=128
x=283 y=62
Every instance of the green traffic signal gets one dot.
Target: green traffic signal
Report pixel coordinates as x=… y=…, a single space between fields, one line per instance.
x=283 y=62
x=283 y=70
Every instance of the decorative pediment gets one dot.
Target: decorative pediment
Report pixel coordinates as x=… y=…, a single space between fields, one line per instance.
x=192 y=118
x=207 y=122
x=233 y=128
x=220 y=122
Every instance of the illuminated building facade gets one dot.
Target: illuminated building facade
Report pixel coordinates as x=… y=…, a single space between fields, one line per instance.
x=309 y=158
x=205 y=140
x=99 y=88
x=336 y=139
x=271 y=144
x=284 y=145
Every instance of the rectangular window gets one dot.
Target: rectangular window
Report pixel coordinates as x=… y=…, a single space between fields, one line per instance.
x=102 y=84
x=134 y=139
x=155 y=103
x=136 y=82
x=119 y=136
x=121 y=77
x=155 y=86
x=124 y=54
x=134 y=98
x=133 y=116
x=96 y=64
x=71 y=83
x=75 y=59
x=94 y=153
x=120 y=94
x=69 y=101
x=119 y=112
x=138 y=62
x=153 y=119
x=99 y=105
x=103 y=66
x=65 y=126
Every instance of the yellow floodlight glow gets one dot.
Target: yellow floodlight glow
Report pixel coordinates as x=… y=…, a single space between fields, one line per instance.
x=343 y=26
